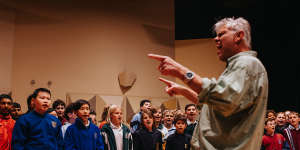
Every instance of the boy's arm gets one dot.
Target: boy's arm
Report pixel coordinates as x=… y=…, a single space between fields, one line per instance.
x=19 y=135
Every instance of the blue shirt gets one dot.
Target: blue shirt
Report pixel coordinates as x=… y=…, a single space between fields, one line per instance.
x=135 y=122
x=34 y=131
x=81 y=137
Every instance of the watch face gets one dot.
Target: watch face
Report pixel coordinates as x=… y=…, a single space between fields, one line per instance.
x=189 y=75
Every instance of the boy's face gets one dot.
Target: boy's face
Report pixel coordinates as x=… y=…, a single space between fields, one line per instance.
x=270 y=127
x=93 y=118
x=146 y=106
x=42 y=102
x=168 y=118
x=191 y=112
x=157 y=115
x=83 y=112
x=72 y=117
x=116 y=117
x=147 y=121
x=294 y=120
x=5 y=106
x=280 y=119
x=60 y=109
x=13 y=112
x=271 y=115
x=180 y=126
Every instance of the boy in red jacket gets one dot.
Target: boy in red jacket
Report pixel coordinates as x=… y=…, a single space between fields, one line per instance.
x=272 y=140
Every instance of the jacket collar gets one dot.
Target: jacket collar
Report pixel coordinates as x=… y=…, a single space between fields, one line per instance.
x=79 y=123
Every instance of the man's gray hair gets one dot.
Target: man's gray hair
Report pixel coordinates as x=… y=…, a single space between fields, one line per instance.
x=236 y=24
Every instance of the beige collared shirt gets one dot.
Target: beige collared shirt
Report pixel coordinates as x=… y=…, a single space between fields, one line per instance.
x=234 y=106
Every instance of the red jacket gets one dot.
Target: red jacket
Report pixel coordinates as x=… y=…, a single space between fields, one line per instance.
x=6 y=128
x=274 y=142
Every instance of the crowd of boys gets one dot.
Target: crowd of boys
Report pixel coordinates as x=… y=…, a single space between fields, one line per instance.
x=73 y=126
x=281 y=131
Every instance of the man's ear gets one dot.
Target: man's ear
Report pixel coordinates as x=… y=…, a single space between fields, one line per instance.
x=239 y=36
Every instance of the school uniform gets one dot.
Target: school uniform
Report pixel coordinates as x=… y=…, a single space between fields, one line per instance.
x=81 y=137
x=178 y=142
x=147 y=140
x=34 y=131
x=110 y=140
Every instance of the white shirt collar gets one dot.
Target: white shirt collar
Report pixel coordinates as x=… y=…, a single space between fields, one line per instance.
x=115 y=127
x=189 y=122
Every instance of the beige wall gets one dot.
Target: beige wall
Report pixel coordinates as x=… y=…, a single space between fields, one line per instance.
x=82 y=47
x=7 y=20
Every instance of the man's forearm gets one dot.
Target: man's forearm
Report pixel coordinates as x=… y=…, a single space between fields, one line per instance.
x=190 y=94
x=196 y=84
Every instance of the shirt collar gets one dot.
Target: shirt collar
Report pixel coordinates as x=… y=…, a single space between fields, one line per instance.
x=245 y=53
x=115 y=127
x=293 y=128
x=189 y=122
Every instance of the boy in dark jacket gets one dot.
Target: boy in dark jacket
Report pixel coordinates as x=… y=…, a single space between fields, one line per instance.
x=83 y=135
x=179 y=140
x=38 y=130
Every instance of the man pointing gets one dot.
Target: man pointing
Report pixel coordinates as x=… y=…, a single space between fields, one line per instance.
x=232 y=116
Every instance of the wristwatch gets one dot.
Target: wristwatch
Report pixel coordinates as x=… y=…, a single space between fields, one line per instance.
x=188 y=77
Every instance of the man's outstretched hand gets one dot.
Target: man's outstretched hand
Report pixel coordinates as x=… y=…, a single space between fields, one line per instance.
x=169 y=67
x=172 y=88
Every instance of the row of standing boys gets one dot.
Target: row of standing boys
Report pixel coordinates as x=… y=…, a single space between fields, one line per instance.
x=74 y=126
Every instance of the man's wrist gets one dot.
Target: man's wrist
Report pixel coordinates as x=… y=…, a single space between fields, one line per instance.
x=188 y=76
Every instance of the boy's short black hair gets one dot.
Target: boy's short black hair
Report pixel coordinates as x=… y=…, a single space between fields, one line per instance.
x=69 y=109
x=189 y=105
x=79 y=103
x=181 y=117
x=2 y=96
x=29 y=99
x=57 y=103
x=144 y=101
x=36 y=92
x=16 y=105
